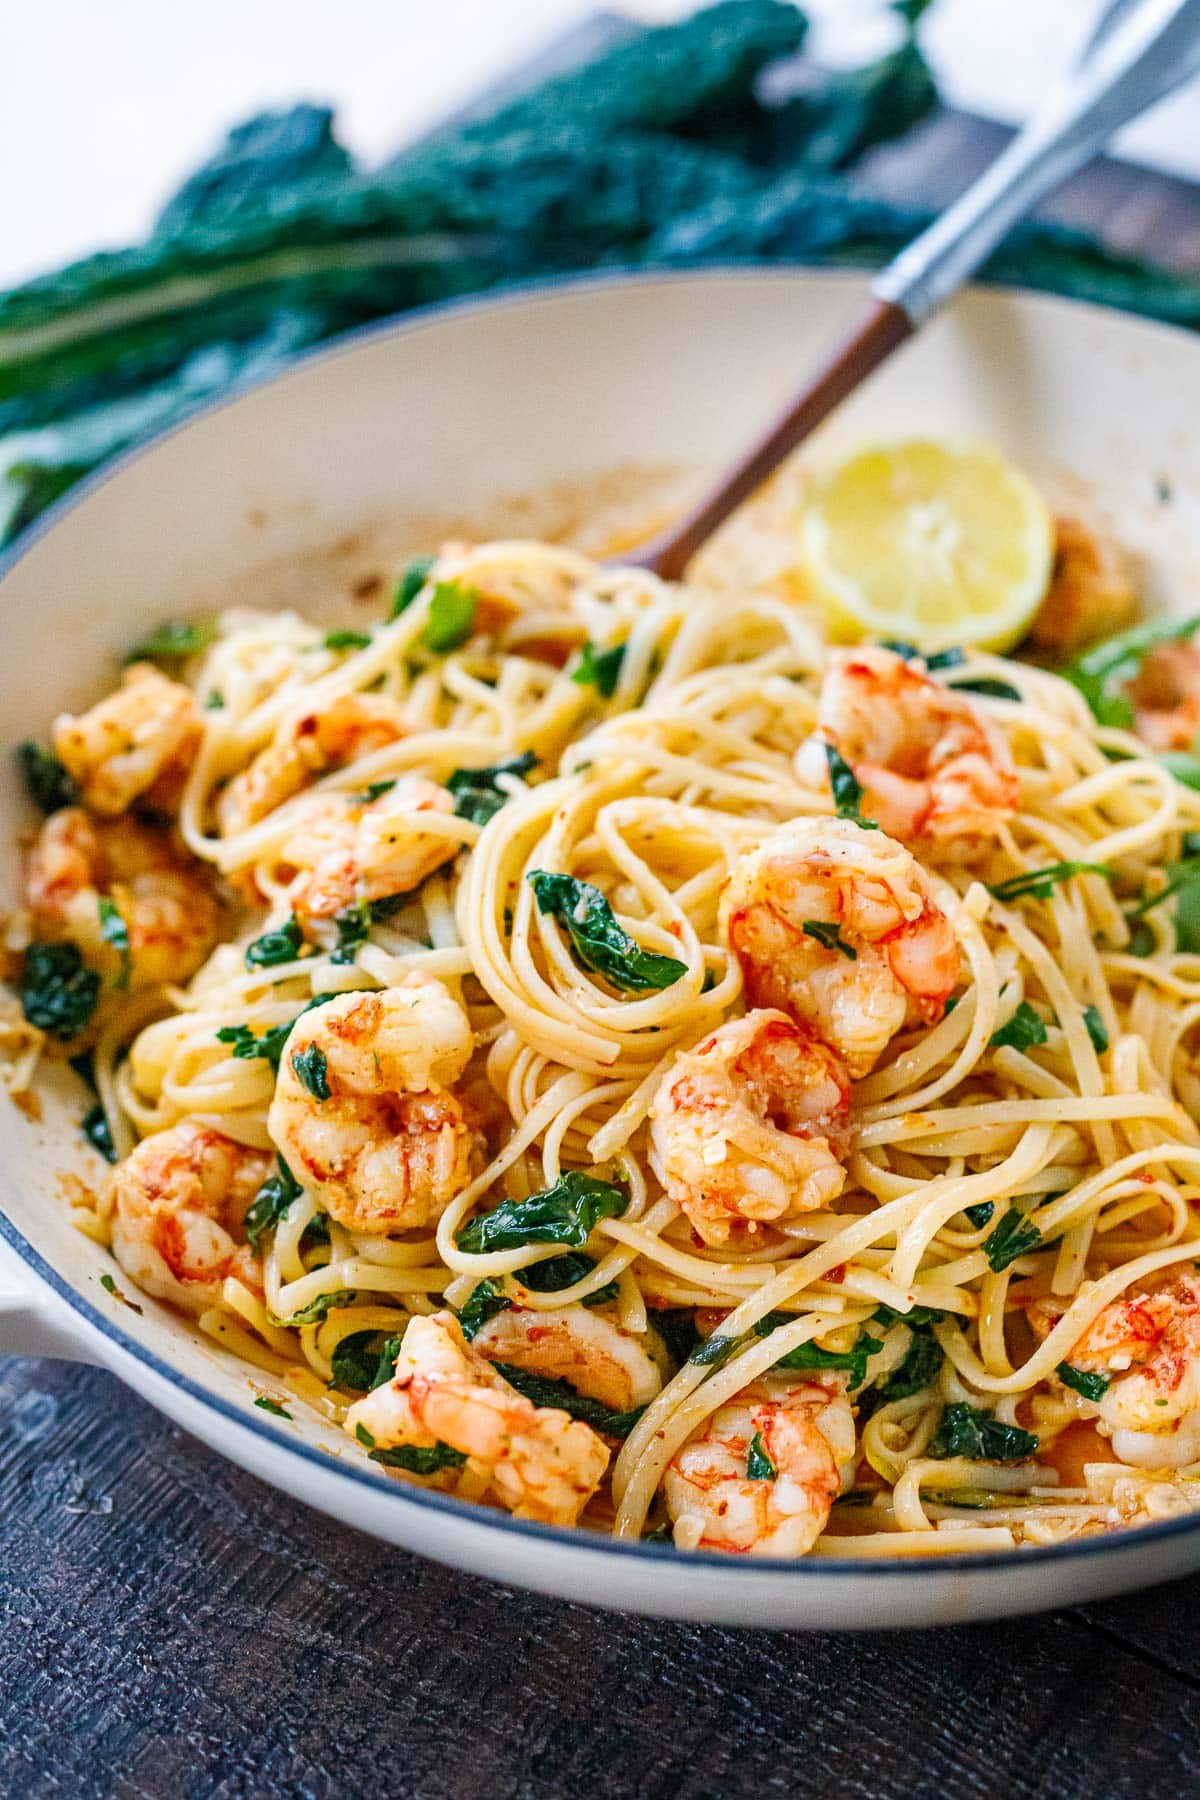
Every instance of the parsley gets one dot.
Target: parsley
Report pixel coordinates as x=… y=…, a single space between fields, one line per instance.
x=50 y=787
x=364 y=1360
x=600 y=669
x=1039 y=884
x=599 y=942
x=759 y=1466
x=1022 y=1031
x=173 y=641
x=309 y=1067
x=988 y=686
x=272 y=1406
x=544 y=1390
x=270 y=1204
x=417 y=1460
x=566 y=1213
x=847 y=789
x=979 y=1435
x=316 y=1310
x=830 y=936
x=980 y=1214
x=347 y=640
x=478 y=795
x=114 y=931
x=1013 y=1237
x=58 y=994
x=1096 y=1029
x=1103 y=673
x=274 y=947
x=484 y=1302
x=110 y=1287
x=95 y=1129
x=451 y=617
x=410 y=584
x=1091 y=1386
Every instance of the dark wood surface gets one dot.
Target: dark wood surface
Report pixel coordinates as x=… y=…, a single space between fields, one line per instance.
x=171 y=1627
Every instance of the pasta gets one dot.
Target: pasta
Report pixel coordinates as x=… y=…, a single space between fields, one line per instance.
x=777 y=1060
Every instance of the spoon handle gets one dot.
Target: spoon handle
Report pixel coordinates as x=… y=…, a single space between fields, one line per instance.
x=1139 y=52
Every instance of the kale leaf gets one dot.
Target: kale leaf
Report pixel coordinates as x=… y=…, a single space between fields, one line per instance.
x=95 y=1128
x=477 y=793
x=967 y=1431
x=364 y=1360
x=1039 y=884
x=311 y=1069
x=566 y=1213
x=452 y=609
x=544 y=1390
x=275 y=947
x=759 y=1466
x=600 y=669
x=1103 y=673
x=173 y=641
x=599 y=942
x=1091 y=1384
x=1014 y=1236
x=270 y=1204
x=50 y=787
x=847 y=789
x=410 y=584
x=58 y=994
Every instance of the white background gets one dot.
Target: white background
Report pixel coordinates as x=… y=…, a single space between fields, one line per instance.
x=105 y=104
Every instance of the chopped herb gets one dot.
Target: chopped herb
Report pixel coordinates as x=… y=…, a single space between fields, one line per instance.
x=347 y=640
x=478 y=795
x=110 y=1287
x=916 y=1315
x=980 y=1214
x=970 y=1499
x=272 y=1406
x=50 y=787
x=544 y=1390
x=1014 y=1236
x=712 y=1351
x=484 y=1302
x=988 y=686
x=1096 y=1029
x=945 y=659
x=979 y=1435
x=451 y=618
x=811 y=1356
x=58 y=994
x=1039 y=884
x=830 y=936
x=1103 y=673
x=599 y=942
x=114 y=931
x=917 y=1370
x=214 y=700
x=419 y=1461
x=316 y=1310
x=95 y=1128
x=1141 y=939
x=1183 y=885
x=310 y=1068
x=600 y=669
x=1091 y=1386
x=269 y=1044
x=270 y=1204
x=759 y=1466
x=676 y=1326
x=847 y=789
x=274 y=947
x=1022 y=1031
x=410 y=584
x=566 y=1213
x=364 y=1360
x=374 y=791
x=171 y=642
x=563 y=1272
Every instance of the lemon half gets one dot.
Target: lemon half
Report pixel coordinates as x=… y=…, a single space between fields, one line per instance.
x=929 y=543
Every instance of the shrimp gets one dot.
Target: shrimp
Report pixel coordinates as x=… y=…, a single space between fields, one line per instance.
x=81 y=868
x=574 y=1344
x=136 y=744
x=1165 y=695
x=389 y=1145
x=344 y=850
x=804 y=1431
x=305 y=745
x=180 y=1200
x=836 y=926
x=1091 y=593
x=929 y=764
x=541 y=1463
x=1149 y=1347
x=746 y=1127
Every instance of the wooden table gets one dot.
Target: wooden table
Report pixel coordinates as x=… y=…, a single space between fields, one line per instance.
x=170 y=1627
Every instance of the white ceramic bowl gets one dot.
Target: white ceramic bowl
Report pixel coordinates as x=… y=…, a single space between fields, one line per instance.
x=438 y=415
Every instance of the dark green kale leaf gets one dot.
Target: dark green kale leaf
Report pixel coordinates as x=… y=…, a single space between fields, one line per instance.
x=599 y=942
x=1022 y=1032
x=58 y=994
x=272 y=1406
x=980 y=1214
x=1014 y=1236
x=364 y=1360
x=270 y=1204
x=245 y=1042
x=318 y=1309
x=275 y=947
x=1091 y=1384
x=310 y=1068
x=1039 y=884
x=410 y=584
x=417 y=1460
x=830 y=936
x=918 y=1369
x=554 y=1272
x=759 y=1466
x=452 y=609
x=173 y=641
x=847 y=789
x=347 y=640
x=50 y=787
x=544 y=1390
x=566 y=1213
x=114 y=931
x=600 y=669
x=95 y=1128
x=484 y=1302
x=1096 y=1029
x=967 y=1431
x=478 y=795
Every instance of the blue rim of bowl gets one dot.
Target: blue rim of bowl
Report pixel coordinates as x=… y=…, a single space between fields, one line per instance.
x=576 y=1539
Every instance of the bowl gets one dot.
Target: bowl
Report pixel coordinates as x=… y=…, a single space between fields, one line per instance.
x=527 y=413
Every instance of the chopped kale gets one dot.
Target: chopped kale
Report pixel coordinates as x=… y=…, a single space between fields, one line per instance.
x=270 y=1204
x=1093 y=1386
x=916 y=1316
x=418 y=1461
x=486 y=1299
x=364 y=1360
x=347 y=640
x=564 y=1271
x=1039 y=884
x=311 y=1069
x=1096 y=1029
x=712 y=1351
x=316 y=1310
x=451 y=620
x=58 y=994
x=173 y=641
x=275 y=947
x=50 y=787
x=1022 y=1032
x=980 y=1214
x=544 y=1390
x=374 y=790
x=247 y=1043
x=272 y=1406
x=967 y=1431
x=599 y=942
x=600 y=669
x=759 y=1466
x=566 y=1213
x=988 y=685
x=812 y=1356
x=676 y=1326
x=847 y=789
x=1014 y=1236
x=410 y=584
x=830 y=936
x=214 y=700
x=917 y=1370
x=478 y=795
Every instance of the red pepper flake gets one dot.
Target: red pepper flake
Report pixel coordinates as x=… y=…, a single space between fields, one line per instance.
x=837 y=1275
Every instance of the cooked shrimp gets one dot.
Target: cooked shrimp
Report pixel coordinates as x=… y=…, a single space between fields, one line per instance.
x=930 y=764
x=390 y=1145
x=745 y=1126
x=135 y=745
x=542 y=1463
x=805 y=1432
x=837 y=927
x=180 y=1201
x=1150 y=1345
x=1091 y=592
x=344 y=849
x=305 y=745
x=166 y=906
x=1165 y=695
x=577 y=1345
